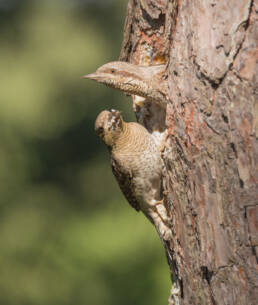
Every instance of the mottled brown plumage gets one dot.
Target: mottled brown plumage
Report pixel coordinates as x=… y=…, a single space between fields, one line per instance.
x=148 y=87
x=136 y=164
x=143 y=81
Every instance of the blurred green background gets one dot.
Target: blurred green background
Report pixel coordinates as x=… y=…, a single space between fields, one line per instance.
x=67 y=235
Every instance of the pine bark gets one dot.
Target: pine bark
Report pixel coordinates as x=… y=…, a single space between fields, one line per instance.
x=211 y=152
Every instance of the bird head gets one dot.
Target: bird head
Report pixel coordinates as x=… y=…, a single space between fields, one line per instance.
x=130 y=78
x=108 y=126
x=118 y=75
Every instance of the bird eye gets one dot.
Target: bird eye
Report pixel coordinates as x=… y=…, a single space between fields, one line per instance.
x=112 y=71
x=100 y=130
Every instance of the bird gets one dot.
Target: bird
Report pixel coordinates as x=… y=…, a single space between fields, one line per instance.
x=145 y=81
x=137 y=166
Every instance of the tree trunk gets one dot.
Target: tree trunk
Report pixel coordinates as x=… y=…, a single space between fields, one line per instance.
x=210 y=151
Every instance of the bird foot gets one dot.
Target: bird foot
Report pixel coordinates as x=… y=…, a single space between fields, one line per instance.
x=162 y=145
x=160 y=220
x=164 y=232
x=161 y=210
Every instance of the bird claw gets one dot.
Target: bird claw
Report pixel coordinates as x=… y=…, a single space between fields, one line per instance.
x=164 y=232
x=160 y=219
x=161 y=210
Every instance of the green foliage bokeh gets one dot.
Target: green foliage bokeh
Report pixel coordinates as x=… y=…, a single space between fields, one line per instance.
x=67 y=234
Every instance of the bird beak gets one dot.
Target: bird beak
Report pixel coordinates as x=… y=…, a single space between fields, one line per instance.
x=93 y=76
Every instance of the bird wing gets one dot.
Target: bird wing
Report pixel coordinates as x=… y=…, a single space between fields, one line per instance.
x=125 y=180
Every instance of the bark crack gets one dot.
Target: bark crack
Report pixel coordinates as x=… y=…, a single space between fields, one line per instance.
x=154 y=22
x=207 y=275
x=215 y=83
x=246 y=25
x=212 y=128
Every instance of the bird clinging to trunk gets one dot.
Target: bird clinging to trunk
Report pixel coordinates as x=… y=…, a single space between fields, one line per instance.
x=137 y=166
